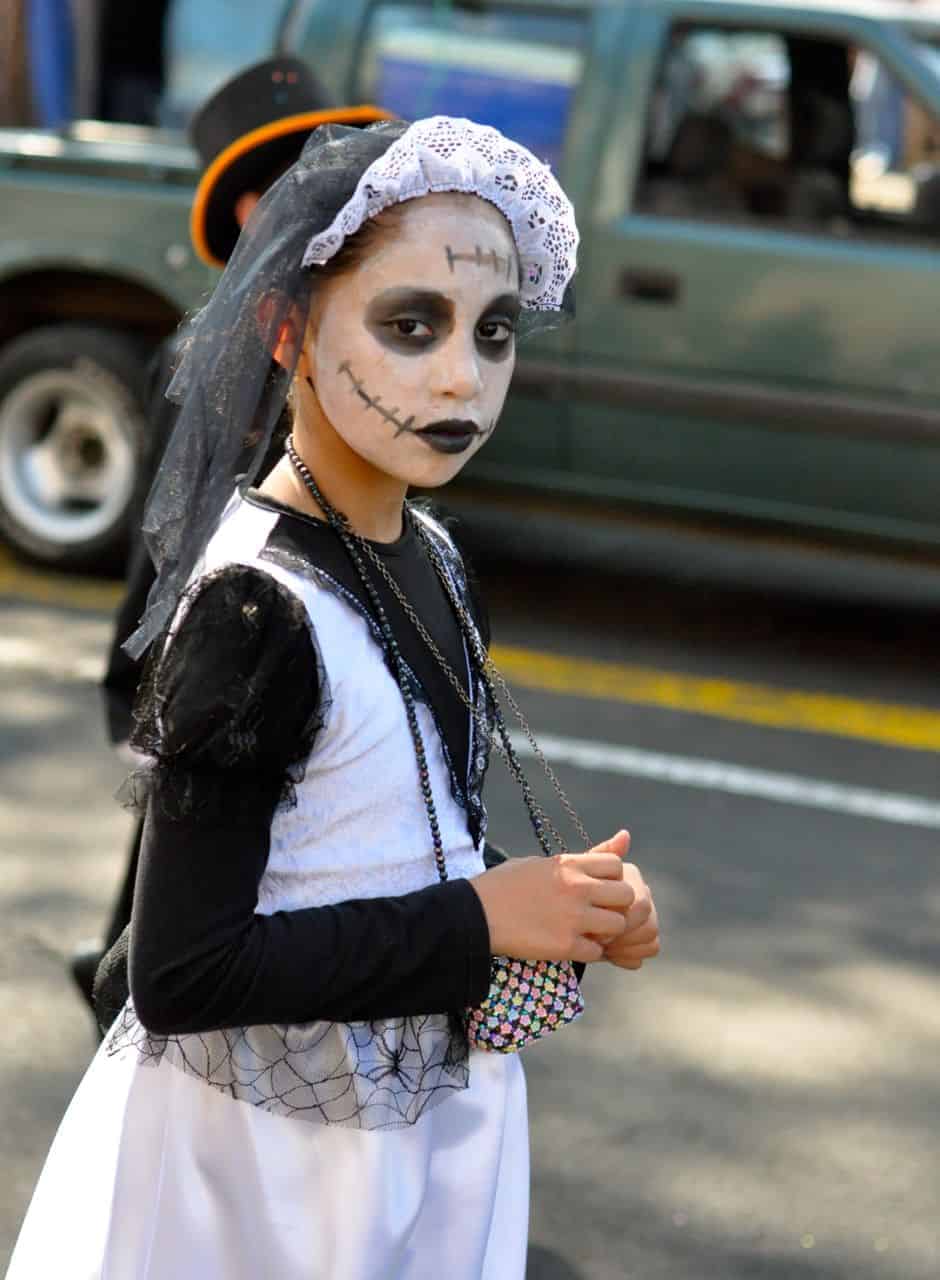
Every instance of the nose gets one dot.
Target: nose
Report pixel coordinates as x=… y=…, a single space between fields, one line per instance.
x=457 y=374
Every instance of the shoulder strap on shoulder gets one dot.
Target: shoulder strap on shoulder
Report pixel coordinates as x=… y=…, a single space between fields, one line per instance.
x=463 y=576
x=444 y=543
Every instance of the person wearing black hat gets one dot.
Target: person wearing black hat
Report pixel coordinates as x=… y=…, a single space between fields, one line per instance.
x=246 y=135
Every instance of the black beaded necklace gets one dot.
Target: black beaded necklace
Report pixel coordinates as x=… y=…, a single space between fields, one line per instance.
x=358 y=550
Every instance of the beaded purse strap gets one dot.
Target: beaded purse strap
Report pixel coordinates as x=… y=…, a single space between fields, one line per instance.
x=357 y=548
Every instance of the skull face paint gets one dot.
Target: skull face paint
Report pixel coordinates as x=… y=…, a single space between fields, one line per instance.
x=410 y=354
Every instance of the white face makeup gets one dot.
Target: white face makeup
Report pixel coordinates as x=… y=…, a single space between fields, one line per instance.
x=412 y=352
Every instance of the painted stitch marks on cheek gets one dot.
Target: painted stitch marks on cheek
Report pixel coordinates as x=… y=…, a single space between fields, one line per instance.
x=500 y=264
x=375 y=402
x=450 y=435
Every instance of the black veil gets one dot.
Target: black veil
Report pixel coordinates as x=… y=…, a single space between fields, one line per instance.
x=230 y=390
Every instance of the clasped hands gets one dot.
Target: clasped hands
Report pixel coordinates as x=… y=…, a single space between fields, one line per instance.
x=639 y=940
x=582 y=907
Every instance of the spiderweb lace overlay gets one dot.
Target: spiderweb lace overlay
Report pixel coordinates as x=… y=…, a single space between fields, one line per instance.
x=442 y=153
x=361 y=1075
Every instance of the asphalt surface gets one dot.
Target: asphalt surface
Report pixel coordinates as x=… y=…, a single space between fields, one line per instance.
x=760 y=1101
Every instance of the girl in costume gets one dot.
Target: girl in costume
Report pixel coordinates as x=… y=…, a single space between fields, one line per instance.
x=315 y=1074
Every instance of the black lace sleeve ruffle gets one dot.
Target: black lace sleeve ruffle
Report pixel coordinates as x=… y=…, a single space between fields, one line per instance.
x=231 y=704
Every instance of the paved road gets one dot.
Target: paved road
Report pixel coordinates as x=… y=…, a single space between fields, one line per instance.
x=760 y=1102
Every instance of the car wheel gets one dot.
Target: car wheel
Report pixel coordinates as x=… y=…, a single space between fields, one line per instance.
x=71 y=433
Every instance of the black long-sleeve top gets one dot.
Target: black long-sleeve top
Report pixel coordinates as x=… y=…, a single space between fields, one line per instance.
x=238 y=697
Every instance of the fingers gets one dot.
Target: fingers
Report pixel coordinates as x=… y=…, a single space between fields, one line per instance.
x=637 y=914
x=640 y=940
x=643 y=908
x=603 y=924
x=618 y=844
x=599 y=866
x=635 y=945
x=631 y=957
x=644 y=943
x=640 y=937
x=587 y=951
x=615 y=895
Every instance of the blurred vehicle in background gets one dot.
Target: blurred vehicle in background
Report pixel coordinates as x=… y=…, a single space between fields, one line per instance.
x=758 y=189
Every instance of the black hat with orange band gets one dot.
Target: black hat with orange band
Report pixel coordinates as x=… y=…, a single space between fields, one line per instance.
x=247 y=134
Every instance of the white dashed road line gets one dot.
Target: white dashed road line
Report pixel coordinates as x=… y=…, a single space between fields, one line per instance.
x=31 y=657
x=34 y=657
x=716 y=775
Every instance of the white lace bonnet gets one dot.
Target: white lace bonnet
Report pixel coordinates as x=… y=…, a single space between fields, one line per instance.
x=443 y=153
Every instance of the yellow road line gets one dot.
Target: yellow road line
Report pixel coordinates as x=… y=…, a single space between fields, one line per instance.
x=887 y=723
x=890 y=724
x=40 y=586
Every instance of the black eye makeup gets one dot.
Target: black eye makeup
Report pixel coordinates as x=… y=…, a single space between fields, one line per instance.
x=496 y=328
x=407 y=321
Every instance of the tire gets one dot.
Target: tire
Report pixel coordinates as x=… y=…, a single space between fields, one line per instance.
x=72 y=429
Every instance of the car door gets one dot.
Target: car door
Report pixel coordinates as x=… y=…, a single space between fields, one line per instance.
x=757 y=333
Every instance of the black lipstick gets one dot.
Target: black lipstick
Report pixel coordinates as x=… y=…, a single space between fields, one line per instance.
x=450 y=435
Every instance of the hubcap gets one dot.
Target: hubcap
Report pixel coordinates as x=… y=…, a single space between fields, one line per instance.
x=66 y=458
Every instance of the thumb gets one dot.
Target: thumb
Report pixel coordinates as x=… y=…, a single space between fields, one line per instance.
x=618 y=844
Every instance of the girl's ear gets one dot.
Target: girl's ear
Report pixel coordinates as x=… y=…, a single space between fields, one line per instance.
x=281 y=328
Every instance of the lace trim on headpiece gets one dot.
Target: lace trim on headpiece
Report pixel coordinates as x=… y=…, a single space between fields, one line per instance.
x=446 y=154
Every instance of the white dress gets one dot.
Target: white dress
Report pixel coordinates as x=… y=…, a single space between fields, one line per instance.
x=343 y=1151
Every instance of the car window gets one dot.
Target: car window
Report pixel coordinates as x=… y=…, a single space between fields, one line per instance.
x=930 y=53
x=738 y=77
x=719 y=132
x=896 y=163
x=206 y=42
x=517 y=70
x=787 y=131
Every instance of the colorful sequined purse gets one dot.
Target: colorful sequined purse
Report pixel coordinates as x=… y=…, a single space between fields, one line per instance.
x=526 y=1000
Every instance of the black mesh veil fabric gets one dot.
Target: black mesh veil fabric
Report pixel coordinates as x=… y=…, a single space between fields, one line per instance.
x=230 y=390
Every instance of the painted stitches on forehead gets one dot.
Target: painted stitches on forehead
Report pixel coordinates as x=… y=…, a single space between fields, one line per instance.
x=500 y=264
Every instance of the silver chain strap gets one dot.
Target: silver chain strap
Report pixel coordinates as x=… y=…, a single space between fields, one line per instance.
x=488 y=672
x=488 y=668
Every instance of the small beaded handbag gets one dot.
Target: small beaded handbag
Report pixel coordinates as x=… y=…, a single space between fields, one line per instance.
x=527 y=999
